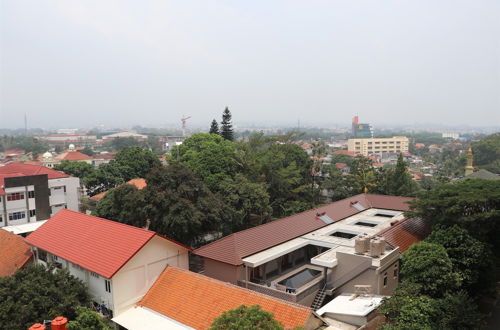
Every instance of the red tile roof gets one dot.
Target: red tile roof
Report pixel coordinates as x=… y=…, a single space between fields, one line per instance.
x=138 y=183
x=73 y=156
x=233 y=248
x=15 y=253
x=406 y=232
x=340 y=165
x=99 y=245
x=196 y=300
x=20 y=169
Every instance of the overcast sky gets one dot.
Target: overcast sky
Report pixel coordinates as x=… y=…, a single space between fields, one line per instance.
x=82 y=63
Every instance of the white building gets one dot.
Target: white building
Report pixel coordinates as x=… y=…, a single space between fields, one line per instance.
x=365 y=147
x=31 y=193
x=117 y=262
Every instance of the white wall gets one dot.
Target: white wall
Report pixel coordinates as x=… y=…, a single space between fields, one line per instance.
x=132 y=282
x=70 y=198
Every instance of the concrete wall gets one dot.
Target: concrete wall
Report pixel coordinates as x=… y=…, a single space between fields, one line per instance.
x=223 y=271
x=69 y=199
x=348 y=266
x=133 y=281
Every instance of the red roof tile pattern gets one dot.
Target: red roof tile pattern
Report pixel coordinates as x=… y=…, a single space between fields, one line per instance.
x=15 y=253
x=233 y=248
x=406 y=232
x=20 y=169
x=138 y=183
x=99 y=245
x=196 y=300
x=73 y=156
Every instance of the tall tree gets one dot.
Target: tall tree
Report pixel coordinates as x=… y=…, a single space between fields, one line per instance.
x=396 y=181
x=362 y=175
x=214 y=128
x=243 y=317
x=209 y=156
x=125 y=204
x=34 y=294
x=226 y=127
x=180 y=205
x=428 y=268
x=336 y=184
x=138 y=160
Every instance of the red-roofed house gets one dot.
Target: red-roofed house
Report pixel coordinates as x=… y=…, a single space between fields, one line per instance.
x=15 y=253
x=292 y=258
x=118 y=262
x=30 y=193
x=138 y=183
x=71 y=156
x=181 y=299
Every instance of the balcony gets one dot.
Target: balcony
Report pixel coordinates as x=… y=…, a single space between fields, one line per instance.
x=293 y=286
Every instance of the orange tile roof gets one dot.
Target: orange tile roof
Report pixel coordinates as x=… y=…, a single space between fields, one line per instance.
x=345 y=152
x=15 y=253
x=138 y=183
x=196 y=300
x=23 y=169
x=73 y=156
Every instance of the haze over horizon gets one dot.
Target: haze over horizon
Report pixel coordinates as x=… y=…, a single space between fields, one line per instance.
x=123 y=63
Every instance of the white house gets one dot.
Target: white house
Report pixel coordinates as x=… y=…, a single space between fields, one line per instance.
x=31 y=193
x=117 y=262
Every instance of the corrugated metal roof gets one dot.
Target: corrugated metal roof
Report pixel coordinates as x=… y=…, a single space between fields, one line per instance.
x=99 y=245
x=233 y=248
x=196 y=300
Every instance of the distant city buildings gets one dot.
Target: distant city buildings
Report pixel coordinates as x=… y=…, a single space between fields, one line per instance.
x=454 y=136
x=361 y=131
x=365 y=147
x=125 y=134
x=64 y=140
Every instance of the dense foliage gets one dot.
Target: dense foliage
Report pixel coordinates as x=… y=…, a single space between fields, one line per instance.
x=243 y=317
x=87 y=319
x=487 y=153
x=34 y=294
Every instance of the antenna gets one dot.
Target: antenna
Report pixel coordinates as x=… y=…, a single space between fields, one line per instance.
x=25 y=124
x=183 y=120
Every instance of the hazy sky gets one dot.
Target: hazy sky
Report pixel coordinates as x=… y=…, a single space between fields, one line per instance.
x=82 y=63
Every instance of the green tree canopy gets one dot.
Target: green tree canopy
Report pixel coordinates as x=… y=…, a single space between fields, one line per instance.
x=139 y=161
x=226 y=127
x=77 y=169
x=336 y=184
x=470 y=257
x=208 y=155
x=121 y=143
x=487 y=153
x=243 y=317
x=180 y=205
x=34 y=294
x=428 y=268
x=362 y=175
x=472 y=204
x=87 y=319
x=399 y=180
x=247 y=203
x=125 y=204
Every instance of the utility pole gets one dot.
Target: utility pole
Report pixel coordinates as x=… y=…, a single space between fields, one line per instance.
x=183 y=120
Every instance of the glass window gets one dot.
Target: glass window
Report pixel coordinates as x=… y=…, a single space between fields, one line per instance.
x=32 y=213
x=15 y=196
x=107 y=285
x=17 y=215
x=31 y=194
x=385 y=280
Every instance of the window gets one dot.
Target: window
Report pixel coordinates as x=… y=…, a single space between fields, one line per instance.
x=31 y=194
x=94 y=274
x=17 y=215
x=384 y=215
x=42 y=254
x=395 y=270
x=57 y=188
x=343 y=234
x=32 y=213
x=385 y=280
x=107 y=284
x=15 y=196
x=1 y=219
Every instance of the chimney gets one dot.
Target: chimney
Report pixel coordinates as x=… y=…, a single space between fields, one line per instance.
x=59 y=323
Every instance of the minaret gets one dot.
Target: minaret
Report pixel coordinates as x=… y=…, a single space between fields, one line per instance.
x=469 y=169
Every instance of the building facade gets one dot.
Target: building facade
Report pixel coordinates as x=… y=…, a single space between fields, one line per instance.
x=118 y=263
x=361 y=131
x=30 y=193
x=366 y=147
x=296 y=258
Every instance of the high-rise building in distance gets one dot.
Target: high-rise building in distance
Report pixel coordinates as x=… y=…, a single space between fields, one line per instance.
x=361 y=131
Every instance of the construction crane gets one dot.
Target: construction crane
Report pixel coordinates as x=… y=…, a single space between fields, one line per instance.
x=184 y=119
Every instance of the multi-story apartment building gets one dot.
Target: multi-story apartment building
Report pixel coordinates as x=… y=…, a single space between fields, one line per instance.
x=366 y=147
x=328 y=250
x=30 y=193
x=117 y=262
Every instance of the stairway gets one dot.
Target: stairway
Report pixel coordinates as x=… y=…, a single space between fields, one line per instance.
x=318 y=300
